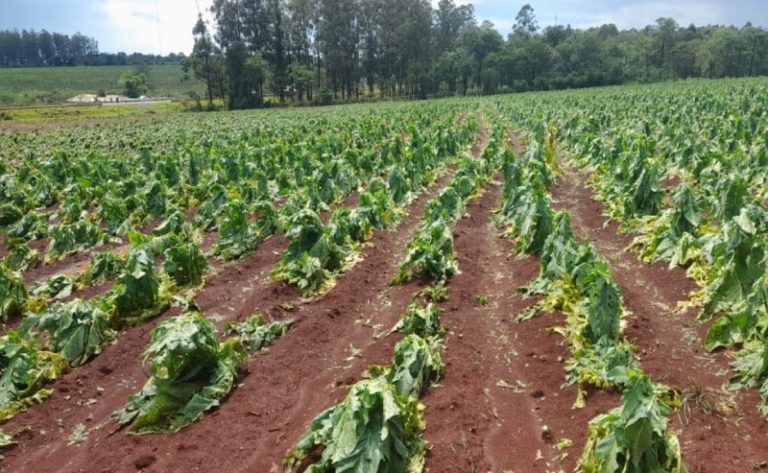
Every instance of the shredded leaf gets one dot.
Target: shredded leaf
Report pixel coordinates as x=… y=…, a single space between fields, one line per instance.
x=191 y=372
x=13 y=295
x=420 y=320
x=633 y=438
x=77 y=330
x=256 y=334
x=24 y=370
x=430 y=255
x=373 y=430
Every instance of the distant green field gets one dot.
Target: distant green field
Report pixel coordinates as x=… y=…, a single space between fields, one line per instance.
x=37 y=84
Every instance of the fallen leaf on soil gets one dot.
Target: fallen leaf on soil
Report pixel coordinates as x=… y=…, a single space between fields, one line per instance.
x=80 y=434
x=503 y=384
x=353 y=352
x=564 y=443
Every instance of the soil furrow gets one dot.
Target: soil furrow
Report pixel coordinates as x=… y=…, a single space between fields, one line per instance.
x=3 y=246
x=75 y=263
x=669 y=344
x=68 y=266
x=501 y=406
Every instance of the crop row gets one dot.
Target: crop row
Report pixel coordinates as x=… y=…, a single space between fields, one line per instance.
x=575 y=280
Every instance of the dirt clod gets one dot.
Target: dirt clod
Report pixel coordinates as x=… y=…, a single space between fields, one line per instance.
x=144 y=461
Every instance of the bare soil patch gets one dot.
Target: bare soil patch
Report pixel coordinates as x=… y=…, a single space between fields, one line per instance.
x=3 y=246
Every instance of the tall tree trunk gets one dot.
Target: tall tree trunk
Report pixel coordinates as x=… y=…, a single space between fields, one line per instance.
x=208 y=82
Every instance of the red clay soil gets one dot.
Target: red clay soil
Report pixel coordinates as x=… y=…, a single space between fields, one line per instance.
x=479 y=145
x=515 y=140
x=89 y=292
x=3 y=247
x=280 y=390
x=501 y=406
x=669 y=344
x=67 y=266
x=39 y=244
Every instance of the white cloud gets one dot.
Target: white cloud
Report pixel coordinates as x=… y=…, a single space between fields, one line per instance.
x=638 y=15
x=151 y=26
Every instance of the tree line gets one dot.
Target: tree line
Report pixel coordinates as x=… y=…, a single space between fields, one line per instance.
x=28 y=48
x=325 y=50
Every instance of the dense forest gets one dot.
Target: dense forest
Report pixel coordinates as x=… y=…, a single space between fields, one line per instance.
x=324 y=50
x=28 y=48
x=333 y=50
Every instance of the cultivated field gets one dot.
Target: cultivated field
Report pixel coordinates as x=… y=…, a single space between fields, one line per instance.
x=30 y=85
x=528 y=283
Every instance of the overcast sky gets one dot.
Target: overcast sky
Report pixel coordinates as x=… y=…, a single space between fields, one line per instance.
x=163 y=26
